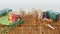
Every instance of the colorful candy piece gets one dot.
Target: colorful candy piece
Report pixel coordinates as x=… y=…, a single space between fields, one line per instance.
x=13 y=17
x=10 y=17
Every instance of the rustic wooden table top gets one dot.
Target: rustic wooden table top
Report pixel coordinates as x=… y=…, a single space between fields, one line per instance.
x=32 y=25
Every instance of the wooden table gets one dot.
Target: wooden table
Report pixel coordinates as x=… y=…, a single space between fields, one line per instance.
x=32 y=25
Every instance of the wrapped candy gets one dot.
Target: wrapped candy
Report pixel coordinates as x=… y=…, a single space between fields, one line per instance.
x=22 y=11
x=52 y=14
x=40 y=13
x=13 y=17
x=3 y=12
x=10 y=17
x=34 y=12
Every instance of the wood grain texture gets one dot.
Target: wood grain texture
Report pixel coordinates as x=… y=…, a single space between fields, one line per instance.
x=33 y=25
x=50 y=31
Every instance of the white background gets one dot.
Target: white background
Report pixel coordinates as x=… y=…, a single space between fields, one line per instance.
x=28 y=4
